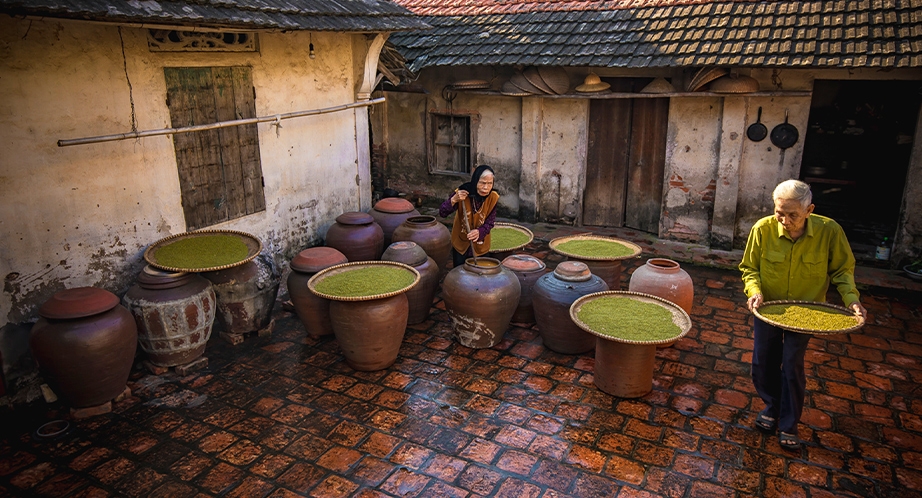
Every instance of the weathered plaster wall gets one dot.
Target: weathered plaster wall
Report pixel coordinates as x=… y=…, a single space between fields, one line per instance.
x=496 y=123
x=908 y=244
x=561 y=171
x=82 y=215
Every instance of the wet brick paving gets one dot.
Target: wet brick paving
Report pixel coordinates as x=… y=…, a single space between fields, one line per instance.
x=285 y=416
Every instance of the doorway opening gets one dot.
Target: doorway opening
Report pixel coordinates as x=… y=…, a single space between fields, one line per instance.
x=856 y=154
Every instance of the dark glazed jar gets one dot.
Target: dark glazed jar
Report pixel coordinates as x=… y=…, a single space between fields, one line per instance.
x=480 y=299
x=313 y=310
x=666 y=279
x=174 y=313
x=528 y=269
x=421 y=295
x=552 y=296
x=431 y=235
x=84 y=344
x=370 y=332
x=390 y=213
x=357 y=236
x=245 y=295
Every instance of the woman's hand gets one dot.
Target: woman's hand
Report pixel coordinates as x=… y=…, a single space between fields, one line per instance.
x=754 y=302
x=459 y=196
x=473 y=235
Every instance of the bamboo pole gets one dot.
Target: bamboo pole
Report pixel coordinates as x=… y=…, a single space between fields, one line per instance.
x=212 y=126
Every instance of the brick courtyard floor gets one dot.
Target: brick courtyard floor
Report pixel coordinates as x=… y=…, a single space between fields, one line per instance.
x=285 y=416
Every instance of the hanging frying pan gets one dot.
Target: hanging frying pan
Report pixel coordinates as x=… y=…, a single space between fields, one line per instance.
x=757 y=131
x=784 y=135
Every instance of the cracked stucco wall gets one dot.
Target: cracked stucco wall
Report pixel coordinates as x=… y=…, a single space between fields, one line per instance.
x=83 y=215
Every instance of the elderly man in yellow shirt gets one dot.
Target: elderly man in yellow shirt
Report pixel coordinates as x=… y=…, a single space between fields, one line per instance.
x=793 y=254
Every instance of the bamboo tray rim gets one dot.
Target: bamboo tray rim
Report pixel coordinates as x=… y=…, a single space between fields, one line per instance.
x=679 y=316
x=254 y=246
x=567 y=238
x=356 y=265
x=859 y=320
x=520 y=228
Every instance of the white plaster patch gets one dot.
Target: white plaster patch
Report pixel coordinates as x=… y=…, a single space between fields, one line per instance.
x=676 y=197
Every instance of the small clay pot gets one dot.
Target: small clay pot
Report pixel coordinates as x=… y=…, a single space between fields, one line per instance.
x=313 y=310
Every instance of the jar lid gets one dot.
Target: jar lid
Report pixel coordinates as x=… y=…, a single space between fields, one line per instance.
x=394 y=205
x=572 y=271
x=315 y=259
x=78 y=302
x=406 y=252
x=354 y=218
x=155 y=278
x=523 y=263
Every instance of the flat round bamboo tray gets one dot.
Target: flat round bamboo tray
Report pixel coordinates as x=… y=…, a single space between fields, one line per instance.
x=554 y=245
x=358 y=265
x=254 y=246
x=511 y=226
x=840 y=310
x=679 y=317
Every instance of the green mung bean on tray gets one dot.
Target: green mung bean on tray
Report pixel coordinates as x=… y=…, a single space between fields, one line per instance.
x=365 y=281
x=202 y=251
x=595 y=248
x=805 y=316
x=629 y=319
x=505 y=238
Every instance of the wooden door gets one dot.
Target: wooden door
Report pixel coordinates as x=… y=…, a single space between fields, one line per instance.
x=626 y=160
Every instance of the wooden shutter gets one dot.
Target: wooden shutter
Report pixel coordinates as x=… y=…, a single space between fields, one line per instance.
x=220 y=175
x=647 y=164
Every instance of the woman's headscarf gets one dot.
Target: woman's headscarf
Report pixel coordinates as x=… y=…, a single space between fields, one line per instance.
x=471 y=186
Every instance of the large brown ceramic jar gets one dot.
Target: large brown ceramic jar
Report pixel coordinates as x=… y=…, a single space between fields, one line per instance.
x=357 y=236
x=666 y=279
x=480 y=298
x=390 y=213
x=430 y=234
x=313 y=310
x=174 y=313
x=421 y=295
x=370 y=328
x=527 y=269
x=245 y=295
x=552 y=296
x=84 y=344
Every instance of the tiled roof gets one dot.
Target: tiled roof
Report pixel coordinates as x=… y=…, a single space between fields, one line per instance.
x=828 y=33
x=313 y=15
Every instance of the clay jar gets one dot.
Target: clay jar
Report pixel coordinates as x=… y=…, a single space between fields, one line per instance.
x=357 y=236
x=174 y=313
x=429 y=234
x=390 y=213
x=313 y=310
x=245 y=295
x=421 y=295
x=666 y=279
x=480 y=298
x=552 y=296
x=84 y=344
x=527 y=269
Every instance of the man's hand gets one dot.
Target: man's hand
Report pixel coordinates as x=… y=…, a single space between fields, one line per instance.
x=858 y=309
x=754 y=302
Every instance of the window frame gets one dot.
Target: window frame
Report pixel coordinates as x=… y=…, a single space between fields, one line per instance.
x=431 y=145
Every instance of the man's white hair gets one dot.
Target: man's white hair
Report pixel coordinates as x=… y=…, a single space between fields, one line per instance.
x=794 y=190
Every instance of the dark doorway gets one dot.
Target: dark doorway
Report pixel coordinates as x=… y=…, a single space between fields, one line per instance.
x=856 y=153
x=626 y=158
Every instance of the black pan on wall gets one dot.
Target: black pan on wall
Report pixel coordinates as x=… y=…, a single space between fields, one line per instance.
x=785 y=134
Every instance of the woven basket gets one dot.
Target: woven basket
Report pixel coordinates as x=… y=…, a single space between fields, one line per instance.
x=839 y=309
x=554 y=245
x=254 y=246
x=679 y=317
x=356 y=265
x=513 y=226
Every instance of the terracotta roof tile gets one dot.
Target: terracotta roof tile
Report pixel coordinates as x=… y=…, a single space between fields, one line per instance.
x=661 y=33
